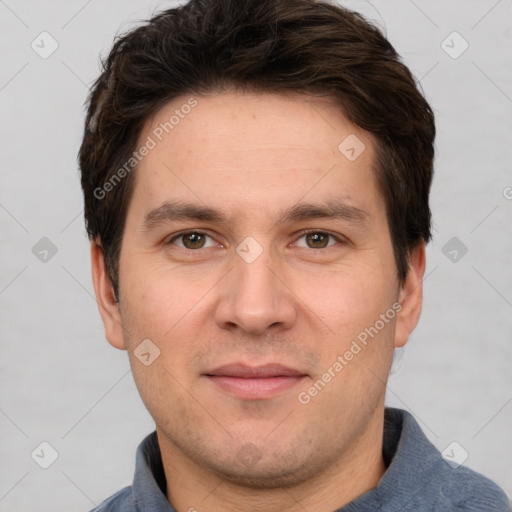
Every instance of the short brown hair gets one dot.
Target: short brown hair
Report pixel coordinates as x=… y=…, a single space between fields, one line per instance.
x=269 y=46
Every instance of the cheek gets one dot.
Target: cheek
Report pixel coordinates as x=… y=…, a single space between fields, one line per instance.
x=356 y=355
x=347 y=300
x=158 y=298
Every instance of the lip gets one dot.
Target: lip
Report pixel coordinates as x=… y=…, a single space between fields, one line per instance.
x=255 y=382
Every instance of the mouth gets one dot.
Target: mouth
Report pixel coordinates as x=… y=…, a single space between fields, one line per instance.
x=255 y=382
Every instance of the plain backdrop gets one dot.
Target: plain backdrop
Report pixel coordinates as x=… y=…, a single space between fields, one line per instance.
x=63 y=384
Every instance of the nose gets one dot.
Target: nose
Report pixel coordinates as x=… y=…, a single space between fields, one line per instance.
x=254 y=297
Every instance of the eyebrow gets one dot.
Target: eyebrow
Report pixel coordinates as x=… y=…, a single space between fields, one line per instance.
x=333 y=209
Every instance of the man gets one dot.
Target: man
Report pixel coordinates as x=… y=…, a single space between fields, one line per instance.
x=256 y=178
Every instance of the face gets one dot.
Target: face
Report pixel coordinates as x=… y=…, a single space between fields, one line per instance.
x=258 y=261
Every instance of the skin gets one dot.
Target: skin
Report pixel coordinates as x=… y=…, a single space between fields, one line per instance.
x=253 y=156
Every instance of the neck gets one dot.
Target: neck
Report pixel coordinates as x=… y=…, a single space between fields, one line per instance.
x=193 y=488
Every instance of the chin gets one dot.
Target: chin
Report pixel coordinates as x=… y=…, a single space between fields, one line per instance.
x=272 y=477
x=274 y=468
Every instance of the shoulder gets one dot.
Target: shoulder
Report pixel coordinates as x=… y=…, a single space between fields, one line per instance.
x=468 y=490
x=121 y=501
x=425 y=480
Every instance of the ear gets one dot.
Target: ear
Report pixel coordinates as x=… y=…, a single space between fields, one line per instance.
x=411 y=296
x=107 y=305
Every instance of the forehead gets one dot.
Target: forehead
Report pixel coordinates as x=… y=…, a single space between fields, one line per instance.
x=252 y=151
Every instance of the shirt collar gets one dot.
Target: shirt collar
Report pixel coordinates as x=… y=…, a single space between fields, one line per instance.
x=149 y=484
x=410 y=459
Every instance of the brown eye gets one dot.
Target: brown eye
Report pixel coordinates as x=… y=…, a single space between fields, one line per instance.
x=317 y=240
x=192 y=240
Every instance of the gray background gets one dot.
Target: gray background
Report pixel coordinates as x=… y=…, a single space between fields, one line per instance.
x=62 y=383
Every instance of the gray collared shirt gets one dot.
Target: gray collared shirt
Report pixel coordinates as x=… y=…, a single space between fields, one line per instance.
x=417 y=479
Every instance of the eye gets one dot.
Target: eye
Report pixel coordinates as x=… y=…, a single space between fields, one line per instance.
x=192 y=240
x=318 y=239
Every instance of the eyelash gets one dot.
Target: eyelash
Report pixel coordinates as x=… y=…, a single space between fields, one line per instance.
x=303 y=233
